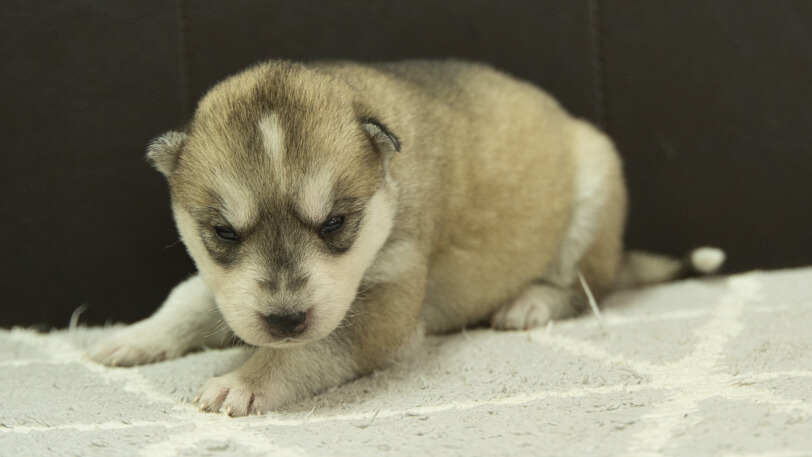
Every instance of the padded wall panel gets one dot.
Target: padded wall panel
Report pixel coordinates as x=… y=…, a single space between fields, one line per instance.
x=84 y=218
x=711 y=106
x=547 y=42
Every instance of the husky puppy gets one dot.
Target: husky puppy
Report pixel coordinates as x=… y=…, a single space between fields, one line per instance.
x=333 y=209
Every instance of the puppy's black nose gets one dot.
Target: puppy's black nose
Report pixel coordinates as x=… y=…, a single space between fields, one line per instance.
x=287 y=324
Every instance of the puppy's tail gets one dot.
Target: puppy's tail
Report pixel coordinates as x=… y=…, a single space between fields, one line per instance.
x=640 y=268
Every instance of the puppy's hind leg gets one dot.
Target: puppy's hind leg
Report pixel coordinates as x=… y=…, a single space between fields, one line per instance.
x=592 y=243
x=537 y=305
x=188 y=319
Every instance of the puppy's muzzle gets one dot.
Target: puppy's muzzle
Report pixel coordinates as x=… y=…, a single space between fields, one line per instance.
x=287 y=325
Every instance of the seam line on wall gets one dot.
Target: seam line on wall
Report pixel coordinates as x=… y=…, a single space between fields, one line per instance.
x=598 y=64
x=183 y=34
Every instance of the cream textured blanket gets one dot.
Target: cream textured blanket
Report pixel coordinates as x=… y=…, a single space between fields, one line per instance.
x=713 y=367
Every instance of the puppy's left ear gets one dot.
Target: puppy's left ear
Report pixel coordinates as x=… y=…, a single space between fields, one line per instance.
x=385 y=141
x=163 y=151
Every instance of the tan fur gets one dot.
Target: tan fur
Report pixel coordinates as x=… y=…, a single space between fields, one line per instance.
x=493 y=202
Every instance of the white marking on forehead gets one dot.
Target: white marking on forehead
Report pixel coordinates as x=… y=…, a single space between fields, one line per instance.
x=239 y=204
x=315 y=196
x=273 y=138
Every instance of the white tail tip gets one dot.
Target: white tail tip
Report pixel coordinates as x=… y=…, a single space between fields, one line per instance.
x=707 y=260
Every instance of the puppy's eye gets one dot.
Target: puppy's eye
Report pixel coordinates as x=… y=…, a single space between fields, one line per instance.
x=332 y=225
x=226 y=234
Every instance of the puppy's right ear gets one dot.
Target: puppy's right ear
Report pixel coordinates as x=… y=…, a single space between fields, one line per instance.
x=385 y=141
x=163 y=151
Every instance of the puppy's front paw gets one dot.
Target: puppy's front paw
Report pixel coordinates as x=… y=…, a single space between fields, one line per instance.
x=137 y=344
x=239 y=395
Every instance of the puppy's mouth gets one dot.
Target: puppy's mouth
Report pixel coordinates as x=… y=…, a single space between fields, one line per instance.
x=278 y=330
x=282 y=326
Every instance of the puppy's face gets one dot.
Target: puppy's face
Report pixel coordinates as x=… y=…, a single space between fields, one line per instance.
x=283 y=204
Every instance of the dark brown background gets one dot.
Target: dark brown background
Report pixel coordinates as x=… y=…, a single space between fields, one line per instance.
x=709 y=101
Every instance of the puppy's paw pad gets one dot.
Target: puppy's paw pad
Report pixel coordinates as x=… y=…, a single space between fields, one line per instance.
x=234 y=395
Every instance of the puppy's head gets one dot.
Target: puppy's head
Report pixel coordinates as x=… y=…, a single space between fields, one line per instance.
x=280 y=193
